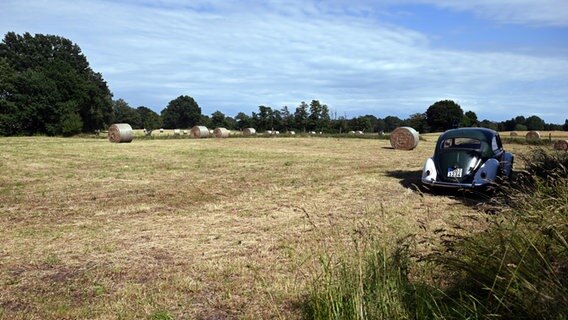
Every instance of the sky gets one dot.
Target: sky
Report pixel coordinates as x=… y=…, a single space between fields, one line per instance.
x=498 y=58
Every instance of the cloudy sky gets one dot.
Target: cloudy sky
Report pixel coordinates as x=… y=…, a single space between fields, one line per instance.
x=499 y=58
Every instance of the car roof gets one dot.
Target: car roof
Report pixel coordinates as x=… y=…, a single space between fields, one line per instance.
x=482 y=134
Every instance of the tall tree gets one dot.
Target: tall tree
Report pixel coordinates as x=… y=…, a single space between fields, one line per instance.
x=534 y=123
x=218 y=119
x=444 y=115
x=243 y=121
x=52 y=89
x=150 y=119
x=301 y=116
x=123 y=113
x=469 y=119
x=182 y=112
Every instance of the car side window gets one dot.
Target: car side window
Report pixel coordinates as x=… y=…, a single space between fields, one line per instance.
x=495 y=145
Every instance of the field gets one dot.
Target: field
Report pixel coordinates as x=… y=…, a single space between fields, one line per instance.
x=206 y=229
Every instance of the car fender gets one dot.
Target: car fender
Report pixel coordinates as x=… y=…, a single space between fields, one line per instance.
x=507 y=163
x=429 y=173
x=486 y=173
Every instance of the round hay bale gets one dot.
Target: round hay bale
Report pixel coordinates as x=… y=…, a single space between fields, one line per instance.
x=269 y=132
x=185 y=132
x=359 y=132
x=292 y=133
x=514 y=134
x=561 y=145
x=312 y=132
x=404 y=138
x=199 y=132
x=533 y=135
x=177 y=132
x=221 y=133
x=161 y=130
x=277 y=132
x=351 y=132
x=120 y=133
x=249 y=131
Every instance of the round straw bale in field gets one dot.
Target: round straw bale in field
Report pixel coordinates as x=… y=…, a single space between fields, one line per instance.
x=177 y=132
x=269 y=132
x=161 y=130
x=404 y=138
x=514 y=133
x=276 y=132
x=292 y=132
x=221 y=133
x=185 y=132
x=561 y=145
x=351 y=132
x=359 y=132
x=533 y=135
x=199 y=132
x=249 y=131
x=312 y=132
x=120 y=132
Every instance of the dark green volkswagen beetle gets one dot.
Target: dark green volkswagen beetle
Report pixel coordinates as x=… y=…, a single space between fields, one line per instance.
x=467 y=158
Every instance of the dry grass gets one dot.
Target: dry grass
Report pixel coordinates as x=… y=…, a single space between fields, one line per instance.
x=210 y=229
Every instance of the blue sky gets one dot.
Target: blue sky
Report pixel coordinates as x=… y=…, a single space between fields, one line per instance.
x=499 y=58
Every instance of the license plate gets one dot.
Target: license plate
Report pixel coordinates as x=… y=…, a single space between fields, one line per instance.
x=455 y=173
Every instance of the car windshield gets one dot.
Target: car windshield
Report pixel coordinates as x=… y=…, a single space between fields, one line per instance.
x=461 y=143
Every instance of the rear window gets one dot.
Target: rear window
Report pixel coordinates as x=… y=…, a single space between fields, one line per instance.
x=461 y=143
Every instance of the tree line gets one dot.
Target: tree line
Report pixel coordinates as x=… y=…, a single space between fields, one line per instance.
x=47 y=87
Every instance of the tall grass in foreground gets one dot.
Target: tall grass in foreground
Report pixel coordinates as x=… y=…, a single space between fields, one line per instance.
x=517 y=268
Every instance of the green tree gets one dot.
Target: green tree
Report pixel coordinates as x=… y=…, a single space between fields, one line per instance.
x=182 y=112
x=123 y=113
x=287 y=119
x=534 y=123
x=243 y=121
x=469 y=119
x=49 y=83
x=301 y=116
x=444 y=115
x=150 y=119
x=318 y=119
x=565 y=126
x=418 y=121
x=392 y=122
x=218 y=119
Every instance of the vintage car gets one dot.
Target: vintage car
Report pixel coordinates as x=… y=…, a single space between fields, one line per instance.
x=467 y=158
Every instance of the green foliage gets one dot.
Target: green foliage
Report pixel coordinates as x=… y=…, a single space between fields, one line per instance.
x=371 y=284
x=71 y=124
x=150 y=119
x=301 y=116
x=182 y=112
x=444 y=115
x=123 y=113
x=46 y=82
x=516 y=268
x=535 y=123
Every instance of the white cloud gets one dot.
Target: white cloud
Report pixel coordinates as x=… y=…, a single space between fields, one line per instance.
x=234 y=56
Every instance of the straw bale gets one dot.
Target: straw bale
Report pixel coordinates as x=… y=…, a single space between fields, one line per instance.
x=351 y=132
x=561 y=145
x=199 y=132
x=359 y=132
x=120 y=133
x=292 y=132
x=249 y=131
x=276 y=132
x=221 y=133
x=312 y=132
x=514 y=134
x=185 y=132
x=404 y=138
x=269 y=132
x=177 y=132
x=533 y=135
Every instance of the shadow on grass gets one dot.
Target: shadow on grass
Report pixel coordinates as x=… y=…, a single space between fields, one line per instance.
x=411 y=179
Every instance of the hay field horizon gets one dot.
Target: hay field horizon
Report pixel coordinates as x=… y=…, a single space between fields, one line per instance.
x=204 y=228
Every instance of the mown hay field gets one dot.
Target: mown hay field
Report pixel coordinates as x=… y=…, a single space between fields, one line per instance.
x=201 y=229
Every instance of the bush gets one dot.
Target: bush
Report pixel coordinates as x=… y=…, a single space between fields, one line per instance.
x=517 y=268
